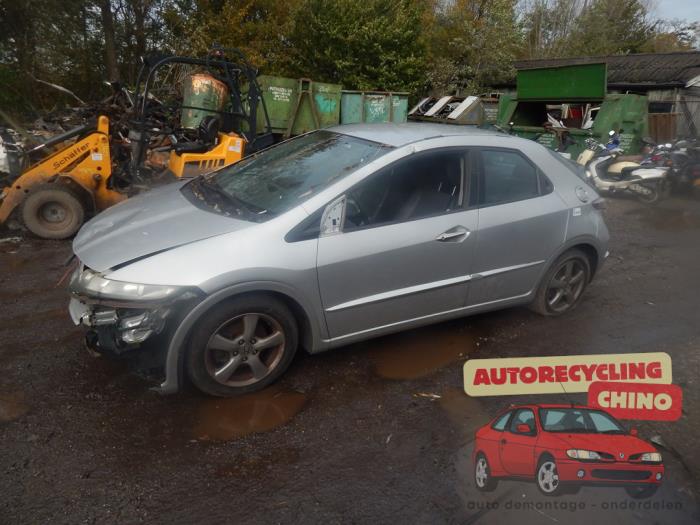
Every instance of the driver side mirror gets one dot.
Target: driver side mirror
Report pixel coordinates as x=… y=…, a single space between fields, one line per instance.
x=333 y=216
x=633 y=431
x=522 y=428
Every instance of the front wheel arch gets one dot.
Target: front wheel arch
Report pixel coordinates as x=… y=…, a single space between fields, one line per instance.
x=310 y=336
x=235 y=352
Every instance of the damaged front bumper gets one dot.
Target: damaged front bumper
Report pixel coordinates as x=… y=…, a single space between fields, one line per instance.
x=117 y=327
x=124 y=316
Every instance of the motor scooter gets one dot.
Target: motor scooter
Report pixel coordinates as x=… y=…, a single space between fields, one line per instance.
x=610 y=173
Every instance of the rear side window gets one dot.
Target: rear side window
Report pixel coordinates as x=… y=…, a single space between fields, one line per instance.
x=500 y=423
x=507 y=177
x=570 y=165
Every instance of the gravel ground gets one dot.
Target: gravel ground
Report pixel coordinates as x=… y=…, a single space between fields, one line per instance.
x=353 y=435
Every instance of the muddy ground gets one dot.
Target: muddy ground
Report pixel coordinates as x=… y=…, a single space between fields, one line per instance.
x=354 y=435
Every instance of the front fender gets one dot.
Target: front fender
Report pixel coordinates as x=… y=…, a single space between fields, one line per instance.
x=174 y=359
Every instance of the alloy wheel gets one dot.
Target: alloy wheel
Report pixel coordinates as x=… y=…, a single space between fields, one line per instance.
x=245 y=349
x=547 y=477
x=481 y=473
x=566 y=285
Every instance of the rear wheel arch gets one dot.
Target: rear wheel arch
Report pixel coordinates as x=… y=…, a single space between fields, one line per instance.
x=592 y=254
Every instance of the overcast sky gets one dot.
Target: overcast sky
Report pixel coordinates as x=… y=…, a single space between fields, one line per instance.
x=684 y=9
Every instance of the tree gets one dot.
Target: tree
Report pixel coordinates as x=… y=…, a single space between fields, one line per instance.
x=369 y=44
x=259 y=28
x=110 y=46
x=472 y=44
x=674 y=35
x=565 y=28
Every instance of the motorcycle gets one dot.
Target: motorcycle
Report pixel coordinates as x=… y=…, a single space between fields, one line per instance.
x=610 y=172
x=685 y=165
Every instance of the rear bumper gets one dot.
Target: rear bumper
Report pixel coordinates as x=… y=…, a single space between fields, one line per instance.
x=615 y=473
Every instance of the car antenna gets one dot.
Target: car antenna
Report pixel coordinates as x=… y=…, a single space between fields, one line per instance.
x=573 y=405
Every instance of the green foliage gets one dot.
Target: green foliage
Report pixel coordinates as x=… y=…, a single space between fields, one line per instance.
x=472 y=44
x=565 y=28
x=443 y=46
x=259 y=28
x=372 y=44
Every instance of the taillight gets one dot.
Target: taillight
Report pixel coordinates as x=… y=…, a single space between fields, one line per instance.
x=600 y=204
x=656 y=158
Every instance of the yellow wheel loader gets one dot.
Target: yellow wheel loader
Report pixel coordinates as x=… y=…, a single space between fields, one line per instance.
x=87 y=169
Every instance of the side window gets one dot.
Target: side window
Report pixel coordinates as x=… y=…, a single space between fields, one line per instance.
x=500 y=423
x=419 y=186
x=507 y=177
x=524 y=416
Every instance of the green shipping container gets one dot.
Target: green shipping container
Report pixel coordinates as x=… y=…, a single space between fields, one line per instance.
x=373 y=106
x=296 y=106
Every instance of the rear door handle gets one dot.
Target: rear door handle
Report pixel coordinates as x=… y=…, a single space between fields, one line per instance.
x=456 y=234
x=503 y=442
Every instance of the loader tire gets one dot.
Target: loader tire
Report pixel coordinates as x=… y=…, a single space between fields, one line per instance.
x=52 y=212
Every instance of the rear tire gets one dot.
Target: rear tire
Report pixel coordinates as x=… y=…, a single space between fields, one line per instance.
x=656 y=193
x=52 y=212
x=241 y=345
x=483 y=480
x=563 y=285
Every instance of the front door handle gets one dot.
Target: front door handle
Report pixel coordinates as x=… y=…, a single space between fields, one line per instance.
x=456 y=234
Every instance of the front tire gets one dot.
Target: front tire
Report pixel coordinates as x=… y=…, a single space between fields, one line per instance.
x=563 y=284
x=483 y=479
x=547 y=478
x=52 y=212
x=242 y=345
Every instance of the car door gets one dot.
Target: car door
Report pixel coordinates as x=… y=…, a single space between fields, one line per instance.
x=522 y=222
x=405 y=248
x=517 y=449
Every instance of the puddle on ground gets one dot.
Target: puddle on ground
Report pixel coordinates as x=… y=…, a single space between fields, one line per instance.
x=467 y=413
x=671 y=220
x=417 y=353
x=12 y=406
x=226 y=419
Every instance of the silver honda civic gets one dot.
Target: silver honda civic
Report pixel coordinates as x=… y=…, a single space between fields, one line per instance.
x=329 y=238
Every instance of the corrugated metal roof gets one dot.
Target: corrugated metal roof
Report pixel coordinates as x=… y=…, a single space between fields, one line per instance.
x=647 y=69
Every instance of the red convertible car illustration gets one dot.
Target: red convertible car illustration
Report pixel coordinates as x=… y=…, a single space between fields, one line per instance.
x=563 y=447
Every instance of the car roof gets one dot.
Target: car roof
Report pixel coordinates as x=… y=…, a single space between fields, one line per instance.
x=552 y=405
x=408 y=132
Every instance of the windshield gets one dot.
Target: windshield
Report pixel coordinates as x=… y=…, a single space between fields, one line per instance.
x=579 y=420
x=282 y=177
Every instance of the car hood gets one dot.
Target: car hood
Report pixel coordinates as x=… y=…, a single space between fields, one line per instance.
x=146 y=224
x=614 y=444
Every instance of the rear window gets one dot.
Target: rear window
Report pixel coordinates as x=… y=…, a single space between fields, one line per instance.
x=570 y=165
